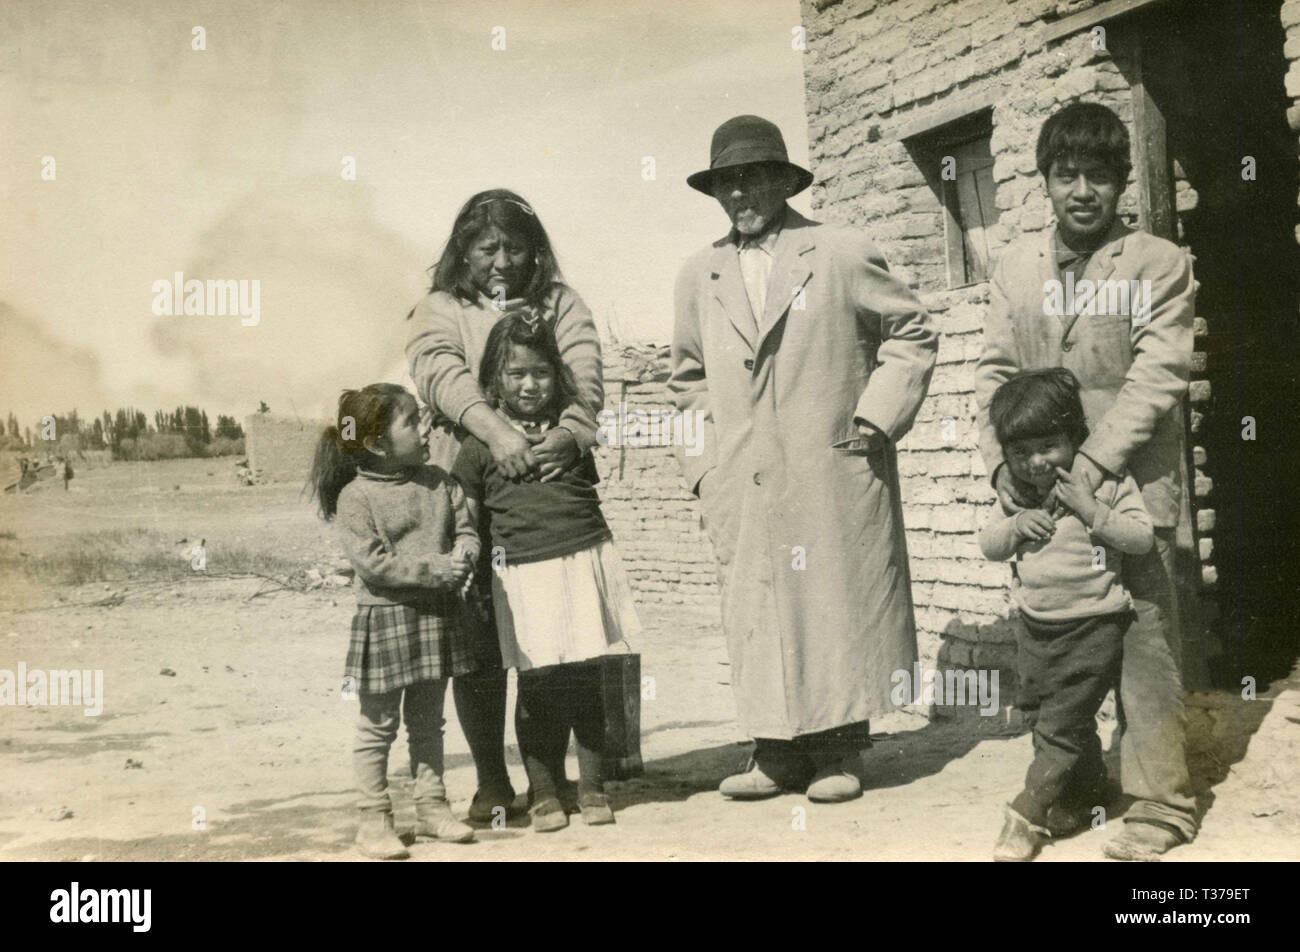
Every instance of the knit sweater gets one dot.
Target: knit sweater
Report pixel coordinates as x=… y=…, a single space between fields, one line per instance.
x=445 y=346
x=1064 y=577
x=533 y=520
x=398 y=531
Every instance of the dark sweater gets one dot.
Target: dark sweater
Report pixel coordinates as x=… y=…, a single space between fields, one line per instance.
x=532 y=520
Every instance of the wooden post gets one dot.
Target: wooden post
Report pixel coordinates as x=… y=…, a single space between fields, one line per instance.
x=1157 y=215
x=1150 y=146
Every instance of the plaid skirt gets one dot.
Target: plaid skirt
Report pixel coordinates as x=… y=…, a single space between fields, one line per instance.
x=394 y=646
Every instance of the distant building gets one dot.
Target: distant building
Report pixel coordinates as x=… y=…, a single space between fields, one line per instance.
x=280 y=449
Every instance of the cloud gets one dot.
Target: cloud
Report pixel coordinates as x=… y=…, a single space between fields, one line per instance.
x=43 y=374
x=335 y=289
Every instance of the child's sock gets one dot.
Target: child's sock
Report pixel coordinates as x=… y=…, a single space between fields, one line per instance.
x=542 y=732
x=588 y=727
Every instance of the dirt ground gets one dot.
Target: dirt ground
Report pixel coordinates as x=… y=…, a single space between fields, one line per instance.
x=249 y=732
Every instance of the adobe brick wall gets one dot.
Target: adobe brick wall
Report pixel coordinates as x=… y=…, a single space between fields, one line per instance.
x=1291 y=22
x=873 y=68
x=655 y=521
x=280 y=449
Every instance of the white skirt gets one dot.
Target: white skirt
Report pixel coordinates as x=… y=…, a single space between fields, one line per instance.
x=570 y=608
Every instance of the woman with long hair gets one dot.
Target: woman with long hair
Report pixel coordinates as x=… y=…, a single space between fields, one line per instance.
x=497 y=261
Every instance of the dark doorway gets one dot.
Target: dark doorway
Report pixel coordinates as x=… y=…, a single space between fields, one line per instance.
x=1214 y=71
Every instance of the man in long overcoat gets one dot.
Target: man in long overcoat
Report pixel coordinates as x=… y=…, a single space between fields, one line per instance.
x=805 y=361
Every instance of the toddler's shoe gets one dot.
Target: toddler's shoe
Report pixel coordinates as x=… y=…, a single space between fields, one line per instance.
x=1020 y=840
x=377 y=837
x=566 y=791
x=548 y=815
x=433 y=818
x=1075 y=812
x=835 y=781
x=596 y=809
x=487 y=800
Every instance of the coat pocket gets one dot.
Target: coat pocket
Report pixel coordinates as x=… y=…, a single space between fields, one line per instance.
x=856 y=446
x=1105 y=325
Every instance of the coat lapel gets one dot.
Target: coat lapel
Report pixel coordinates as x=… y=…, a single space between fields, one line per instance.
x=1102 y=265
x=1047 y=269
x=729 y=289
x=791 y=269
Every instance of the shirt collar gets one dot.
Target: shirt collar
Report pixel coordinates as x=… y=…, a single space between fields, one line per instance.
x=524 y=426
x=1066 y=257
x=766 y=242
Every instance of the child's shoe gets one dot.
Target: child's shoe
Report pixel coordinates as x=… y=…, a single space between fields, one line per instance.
x=433 y=818
x=548 y=815
x=1075 y=812
x=377 y=837
x=1020 y=840
x=596 y=809
x=484 y=807
x=567 y=792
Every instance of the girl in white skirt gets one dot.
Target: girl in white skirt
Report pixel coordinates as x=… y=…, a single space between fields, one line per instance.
x=558 y=588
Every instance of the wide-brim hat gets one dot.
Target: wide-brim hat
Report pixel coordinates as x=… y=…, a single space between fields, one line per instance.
x=747 y=140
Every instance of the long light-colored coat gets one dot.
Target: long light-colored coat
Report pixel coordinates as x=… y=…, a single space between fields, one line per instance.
x=807 y=525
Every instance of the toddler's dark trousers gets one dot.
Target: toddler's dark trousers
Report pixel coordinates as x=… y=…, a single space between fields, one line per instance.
x=552 y=702
x=1065 y=669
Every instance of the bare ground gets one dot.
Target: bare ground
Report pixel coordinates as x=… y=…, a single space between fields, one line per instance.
x=251 y=734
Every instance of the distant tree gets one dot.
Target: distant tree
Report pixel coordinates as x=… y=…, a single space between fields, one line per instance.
x=12 y=424
x=207 y=432
x=121 y=428
x=228 y=428
x=262 y=407
x=97 y=432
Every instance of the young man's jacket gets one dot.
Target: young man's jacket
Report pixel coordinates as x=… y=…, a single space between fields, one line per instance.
x=1133 y=367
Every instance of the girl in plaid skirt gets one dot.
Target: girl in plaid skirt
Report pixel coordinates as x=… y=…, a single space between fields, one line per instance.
x=409 y=535
x=559 y=593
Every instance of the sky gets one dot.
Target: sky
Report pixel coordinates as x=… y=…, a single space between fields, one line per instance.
x=227 y=163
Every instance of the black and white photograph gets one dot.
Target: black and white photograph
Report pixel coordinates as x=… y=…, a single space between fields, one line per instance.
x=587 y=431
